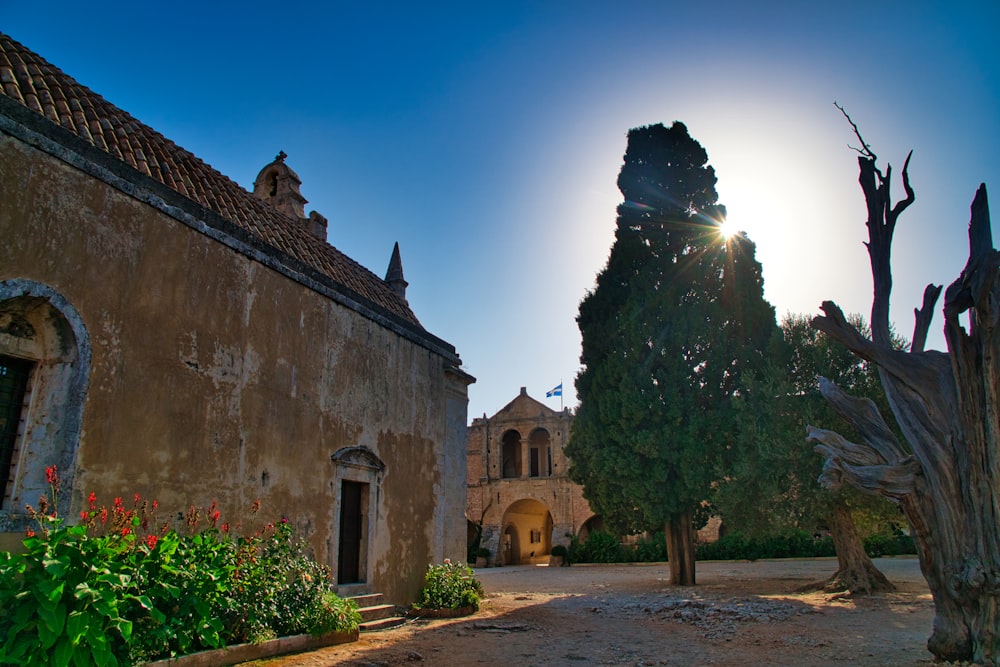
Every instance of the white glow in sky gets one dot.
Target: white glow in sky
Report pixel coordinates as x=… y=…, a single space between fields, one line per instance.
x=487 y=139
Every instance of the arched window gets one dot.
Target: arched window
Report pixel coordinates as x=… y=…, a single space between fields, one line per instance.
x=541 y=456
x=44 y=364
x=510 y=464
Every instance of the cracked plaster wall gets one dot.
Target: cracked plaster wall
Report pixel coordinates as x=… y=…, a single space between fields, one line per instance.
x=215 y=378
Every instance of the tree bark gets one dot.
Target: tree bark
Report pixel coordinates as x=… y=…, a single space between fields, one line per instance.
x=679 y=532
x=855 y=570
x=947 y=405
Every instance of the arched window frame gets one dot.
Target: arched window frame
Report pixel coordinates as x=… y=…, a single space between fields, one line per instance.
x=53 y=417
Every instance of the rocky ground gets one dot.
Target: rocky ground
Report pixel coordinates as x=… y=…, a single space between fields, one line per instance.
x=741 y=614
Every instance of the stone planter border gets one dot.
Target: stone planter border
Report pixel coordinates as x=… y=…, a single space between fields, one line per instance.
x=448 y=612
x=237 y=653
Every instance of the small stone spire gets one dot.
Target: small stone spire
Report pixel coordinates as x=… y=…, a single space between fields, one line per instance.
x=394 y=274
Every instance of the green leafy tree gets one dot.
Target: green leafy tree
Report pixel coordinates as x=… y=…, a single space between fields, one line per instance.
x=676 y=321
x=772 y=487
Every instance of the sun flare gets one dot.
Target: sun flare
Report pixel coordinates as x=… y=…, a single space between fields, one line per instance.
x=727 y=230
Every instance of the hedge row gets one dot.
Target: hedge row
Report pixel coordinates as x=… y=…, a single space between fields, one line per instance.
x=605 y=548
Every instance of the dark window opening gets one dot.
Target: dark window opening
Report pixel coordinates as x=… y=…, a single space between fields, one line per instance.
x=14 y=375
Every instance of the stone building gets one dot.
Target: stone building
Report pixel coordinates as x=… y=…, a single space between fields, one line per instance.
x=165 y=332
x=517 y=482
x=518 y=489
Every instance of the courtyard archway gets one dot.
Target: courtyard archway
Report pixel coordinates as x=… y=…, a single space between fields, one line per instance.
x=527 y=533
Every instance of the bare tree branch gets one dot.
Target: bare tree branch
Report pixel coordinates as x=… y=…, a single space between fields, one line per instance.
x=923 y=316
x=866 y=150
x=910 y=194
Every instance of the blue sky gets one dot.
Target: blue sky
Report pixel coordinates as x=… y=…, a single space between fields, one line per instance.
x=486 y=137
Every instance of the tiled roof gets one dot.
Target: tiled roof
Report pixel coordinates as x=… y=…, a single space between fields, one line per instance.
x=32 y=82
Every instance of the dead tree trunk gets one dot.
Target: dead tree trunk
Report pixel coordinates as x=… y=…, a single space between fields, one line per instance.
x=948 y=480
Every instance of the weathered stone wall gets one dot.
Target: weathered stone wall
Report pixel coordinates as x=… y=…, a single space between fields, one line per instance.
x=214 y=377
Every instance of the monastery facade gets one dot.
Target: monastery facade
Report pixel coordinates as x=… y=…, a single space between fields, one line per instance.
x=518 y=487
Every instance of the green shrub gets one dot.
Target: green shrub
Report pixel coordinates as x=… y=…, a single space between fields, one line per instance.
x=558 y=550
x=449 y=586
x=889 y=545
x=652 y=549
x=737 y=546
x=128 y=593
x=600 y=547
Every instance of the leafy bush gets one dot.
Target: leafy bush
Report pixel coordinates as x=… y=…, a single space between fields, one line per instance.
x=558 y=550
x=449 y=586
x=652 y=549
x=889 y=545
x=115 y=590
x=600 y=547
x=737 y=546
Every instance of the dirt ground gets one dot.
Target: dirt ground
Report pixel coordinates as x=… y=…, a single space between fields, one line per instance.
x=740 y=614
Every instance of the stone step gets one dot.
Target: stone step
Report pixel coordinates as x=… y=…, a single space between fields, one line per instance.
x=375 y=615
x=382 y=624
x=367 y=600
x=377 y=612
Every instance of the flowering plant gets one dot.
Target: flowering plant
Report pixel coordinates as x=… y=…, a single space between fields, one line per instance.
x=449 y=586
x=122 y=588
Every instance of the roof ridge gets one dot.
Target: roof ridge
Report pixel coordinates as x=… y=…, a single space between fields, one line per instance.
x=33 y=82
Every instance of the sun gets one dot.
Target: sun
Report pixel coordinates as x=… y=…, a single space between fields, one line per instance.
x=727 y=229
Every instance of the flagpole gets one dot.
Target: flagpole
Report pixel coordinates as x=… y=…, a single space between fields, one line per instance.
x=561 y=390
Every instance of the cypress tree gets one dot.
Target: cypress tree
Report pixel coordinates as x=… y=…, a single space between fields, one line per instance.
x=674 y=325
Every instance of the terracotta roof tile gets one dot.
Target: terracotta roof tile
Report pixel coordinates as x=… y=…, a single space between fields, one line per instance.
x=32 y=82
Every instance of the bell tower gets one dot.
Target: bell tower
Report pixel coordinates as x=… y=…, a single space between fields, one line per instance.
x=278 y=185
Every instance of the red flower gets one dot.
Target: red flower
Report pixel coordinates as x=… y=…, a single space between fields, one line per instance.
x=104 y=514
x=51 y=476
x=155 y=504
x=29 y=533
x=136 y=498
x=151 y=541
x=118 y=503
x=255 y=507
x=84 y=514
x=92 y=500
x=126 y=531
x=225 y=527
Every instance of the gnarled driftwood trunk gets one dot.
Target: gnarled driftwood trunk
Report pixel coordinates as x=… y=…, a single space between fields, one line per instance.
x=946 y=404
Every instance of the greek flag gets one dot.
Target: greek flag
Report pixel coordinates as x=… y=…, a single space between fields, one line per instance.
x=555 y=391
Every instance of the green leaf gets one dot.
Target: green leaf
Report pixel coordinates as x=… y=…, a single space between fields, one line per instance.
x=56 y=566
x=62 y=653
x=101 y=652
x=76 y=626
x=83 y=590
x=53 y=620
x=125 y=627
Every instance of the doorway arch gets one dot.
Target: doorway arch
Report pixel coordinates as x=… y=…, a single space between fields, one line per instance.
x=355 y=489
x=527 y=532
